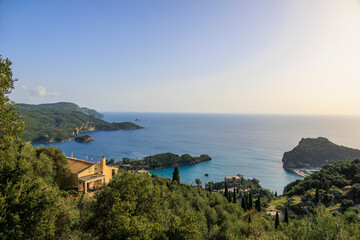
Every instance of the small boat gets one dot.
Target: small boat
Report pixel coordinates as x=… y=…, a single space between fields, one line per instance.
x=206 y=175
x=137 y=120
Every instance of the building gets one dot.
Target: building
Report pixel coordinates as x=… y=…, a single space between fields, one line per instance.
x=232 y=178
x=88 y=175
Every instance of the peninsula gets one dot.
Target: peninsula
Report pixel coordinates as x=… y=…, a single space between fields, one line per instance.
x=84 y=139
x=314 y=153
x=59 y=122
x=162 y=160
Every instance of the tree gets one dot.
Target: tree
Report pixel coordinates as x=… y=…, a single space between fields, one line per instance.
x=346 y=203
x=198 y=182
x=11 y=127
x=246 y=202
x=229 y=197
x=111 y=162
x=250 y=201
x=126 y=161
x=243 y=203
x=326 y=185
x=258 y=204
x=317 y=196
x=210 y=187
x=277 y=220
x=226 y=191
x=132 y=200
x=355 y=190
x=286 y=216
x=176 y=175
x=234 y=196
x=30 y=202
x=276 y=194
x=249 y=218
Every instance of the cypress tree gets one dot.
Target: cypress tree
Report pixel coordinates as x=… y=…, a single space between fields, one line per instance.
x=326 y=186
x=249 y=219
x=226 y=191
x=275 y=194
x=234 y=196
x=229 y=197
x=246 y=202
x=277 y=220
x=286 y=217
x=258 y=204
x=210 y=187
x=243 y=203
x=317 y=195
x=250 y=201
x=176 y=175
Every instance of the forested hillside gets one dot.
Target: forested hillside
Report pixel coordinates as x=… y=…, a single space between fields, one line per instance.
x=63 y=121
x=161 y=160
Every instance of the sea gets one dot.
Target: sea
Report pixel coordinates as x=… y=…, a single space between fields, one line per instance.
x=249 y=144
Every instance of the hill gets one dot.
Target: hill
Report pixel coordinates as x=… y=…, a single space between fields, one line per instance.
x=64 y=106
x=63 y=121
x=162 y=160
x=336 y=187
x=317 y=152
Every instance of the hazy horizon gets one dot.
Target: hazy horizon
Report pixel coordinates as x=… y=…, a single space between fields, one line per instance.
x=226 y=113
x=237 y=57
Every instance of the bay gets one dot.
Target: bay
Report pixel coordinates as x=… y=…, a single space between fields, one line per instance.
x=252 y=145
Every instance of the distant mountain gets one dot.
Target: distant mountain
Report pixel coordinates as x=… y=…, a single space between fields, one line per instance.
x=317 y=152
x=58 y=122
x=64 y=106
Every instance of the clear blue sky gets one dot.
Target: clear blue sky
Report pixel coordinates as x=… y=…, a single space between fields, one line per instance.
x=186 y=56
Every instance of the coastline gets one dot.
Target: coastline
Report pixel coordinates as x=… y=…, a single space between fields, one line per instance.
x=179 y=165
x=88 y=131
x=163 y=167
x=303 y=172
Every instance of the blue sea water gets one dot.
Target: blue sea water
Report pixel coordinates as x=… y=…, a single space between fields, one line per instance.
x=252 y=145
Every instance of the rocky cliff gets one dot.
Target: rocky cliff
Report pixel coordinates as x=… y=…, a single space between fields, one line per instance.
x=317 y=152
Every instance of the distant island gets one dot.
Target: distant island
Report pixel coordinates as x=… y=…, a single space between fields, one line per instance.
x=85 y=139
x=162 y=160
x=317 y=152
x=59 y=122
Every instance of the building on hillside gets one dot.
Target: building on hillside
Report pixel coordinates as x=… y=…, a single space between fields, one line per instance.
x=88 y=175
x=232 y=178
x=143 y=171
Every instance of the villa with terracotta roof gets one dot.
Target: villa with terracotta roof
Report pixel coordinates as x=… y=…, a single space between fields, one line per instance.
x=89 y=175
x=232 y=178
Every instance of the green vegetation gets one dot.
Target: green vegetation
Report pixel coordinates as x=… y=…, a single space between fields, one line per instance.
x=31 y=205
x=336 y=186
x=85 y=138
x=176 y=175
x=162 y=160
x=34 y=203
x=286 y=216
x=61 y=122
x=244 y=188
x=317 y=152
x=72 y=107
x=277 y=221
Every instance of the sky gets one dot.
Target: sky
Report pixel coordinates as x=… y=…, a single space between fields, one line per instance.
x=205 y=56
